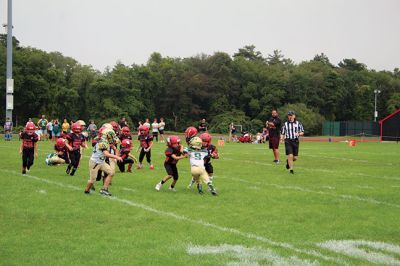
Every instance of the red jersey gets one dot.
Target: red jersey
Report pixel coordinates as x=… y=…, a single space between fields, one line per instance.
x=122 y=137
x=75 y=141
x=211 y=149
x=58 y=149
x=145 y=141
x=28 y=141
x=124 y=152
x=169 y=152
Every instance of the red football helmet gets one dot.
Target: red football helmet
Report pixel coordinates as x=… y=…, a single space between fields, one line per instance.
x=190 y=132
x=173 y=141
x=100 y=132
x=60 y=143
x=206 y=138
x=30 y=128
x=76 y=128
x=126 y=143
x=114 y=125
x=143 y=130
x=126 y=130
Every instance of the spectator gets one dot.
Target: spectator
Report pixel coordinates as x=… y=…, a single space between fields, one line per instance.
x=154 y=129
x=49 y=127
x=56 y=129
x=65 y=126
x=274 y=127
x=232 y=132
x=123 y=123
x=161 y=127
x=147 y=123
x=8 y=127
x=42 y=123
x=203 y=126
x=92 y=129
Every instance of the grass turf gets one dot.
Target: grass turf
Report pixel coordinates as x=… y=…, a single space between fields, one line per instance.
x=336 y=193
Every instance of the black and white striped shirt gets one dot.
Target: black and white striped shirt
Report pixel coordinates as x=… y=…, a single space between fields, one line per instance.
x=289 y=129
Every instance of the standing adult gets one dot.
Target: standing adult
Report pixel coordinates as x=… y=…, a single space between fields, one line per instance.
x=56 y=129
x=232 y=132
x=8 y=127
x=161 y=127
x=42 y=124
x=203 y=126
x=154 y=129
x=147 y=123
x=65 y=126
x=92 y=129
x=290 y=133
x=49 y=127
x=274 y=128
x=123 y=123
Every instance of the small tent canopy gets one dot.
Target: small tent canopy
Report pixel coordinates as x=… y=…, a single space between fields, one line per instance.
x=390 y=127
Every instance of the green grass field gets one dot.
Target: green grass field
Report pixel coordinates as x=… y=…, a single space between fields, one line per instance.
x=342 y=206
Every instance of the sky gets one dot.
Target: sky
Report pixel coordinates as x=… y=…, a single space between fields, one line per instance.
x=103 y=32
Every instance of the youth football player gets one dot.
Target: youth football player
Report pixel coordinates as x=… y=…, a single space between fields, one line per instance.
x=75 y=140
x=146 y=142
x=29 y=147
x=127 y=157
x=172 y=155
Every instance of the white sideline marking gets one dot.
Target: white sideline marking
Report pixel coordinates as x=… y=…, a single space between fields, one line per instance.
x=328 y=187
x=199 y=222
x=365 y=187
x=343 y=196
x=319 y=169
x=128 y=189
x=41 y=191
x=248 y=256
x=354 y=249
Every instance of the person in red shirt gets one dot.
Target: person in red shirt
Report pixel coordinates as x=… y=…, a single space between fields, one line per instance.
x=127 y=157
x=74 y=141
x=146 y=142
x=173 y=154
x=28 y=148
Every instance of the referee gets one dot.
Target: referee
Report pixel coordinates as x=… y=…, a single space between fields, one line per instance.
x=290 y=132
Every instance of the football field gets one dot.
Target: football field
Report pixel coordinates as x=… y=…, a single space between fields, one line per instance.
x=341 y=207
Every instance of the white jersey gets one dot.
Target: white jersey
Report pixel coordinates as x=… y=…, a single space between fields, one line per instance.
x=154 y=127
x=98 y=152
x=161 y=125
x=196 y=157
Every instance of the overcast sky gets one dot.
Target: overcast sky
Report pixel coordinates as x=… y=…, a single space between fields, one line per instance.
x=102 y=32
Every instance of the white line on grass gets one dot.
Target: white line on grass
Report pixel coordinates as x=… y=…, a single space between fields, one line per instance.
x=317 y=169
x=343 y=196
x=199 y=222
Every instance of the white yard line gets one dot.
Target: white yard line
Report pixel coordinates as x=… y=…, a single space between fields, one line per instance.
x=187 y=219
x=306 y=190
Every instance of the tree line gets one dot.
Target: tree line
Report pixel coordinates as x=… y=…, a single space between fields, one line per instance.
x=242 y=88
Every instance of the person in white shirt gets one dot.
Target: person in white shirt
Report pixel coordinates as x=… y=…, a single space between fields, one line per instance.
x=147 y=123
x=197 y=168
x=154 y=129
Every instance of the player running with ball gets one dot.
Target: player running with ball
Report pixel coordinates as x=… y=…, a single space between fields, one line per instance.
x=196 y=156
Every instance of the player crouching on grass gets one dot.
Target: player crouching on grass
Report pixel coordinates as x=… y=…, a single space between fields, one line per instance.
x=60 y=156
x=75 y=140
x=98 y=163
x=173 y=154
x=146 y=142
x=127 y=157
x=198 y=171
x=29 y=147
x=212 y=153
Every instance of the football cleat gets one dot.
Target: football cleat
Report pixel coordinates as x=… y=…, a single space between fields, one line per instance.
x=158 y=186
x=151 y=167
x=172 y=189
x=105 y=192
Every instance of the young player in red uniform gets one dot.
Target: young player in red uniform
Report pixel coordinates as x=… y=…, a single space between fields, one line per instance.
x=60 y=155
x=125 y=134
x=127 y=157
x=28 y=148
x=173 y=154
x=146 y=142
x=190 y=133
x=212 y=153
x=75 y=140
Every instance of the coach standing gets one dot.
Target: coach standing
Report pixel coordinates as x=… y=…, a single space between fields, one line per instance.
x=274 y=128
x=290 y=133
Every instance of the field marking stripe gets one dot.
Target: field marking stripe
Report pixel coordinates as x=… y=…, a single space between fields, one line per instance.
x=317 y=169
x=343 y=196
x=184 y=218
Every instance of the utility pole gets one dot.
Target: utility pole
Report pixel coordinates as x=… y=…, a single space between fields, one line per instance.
x=10 y=81
x=376 y=112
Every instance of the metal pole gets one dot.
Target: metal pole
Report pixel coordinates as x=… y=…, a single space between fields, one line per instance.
x=376 y=92
x=9 y=91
